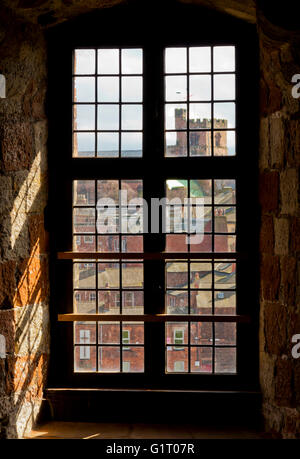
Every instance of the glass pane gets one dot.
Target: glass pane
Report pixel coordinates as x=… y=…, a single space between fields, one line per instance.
x=109 y=359
x=176 y=88
x=132 y=333
x=133 y=302
x=201 y=359
x=200 y=87
x=202 y=189
x=132 y=117
x=133 y=359
x=201 y=219
x=132 y=61
x=83 y=220
x=224 y=87
x=177 y=360
x=84 y=61
x=176 y=275
x=224 y=115
x=84 y=117
x=175 y=60
x=200 y=59
x=84 y=275
x=108 y=275
x=175 y=222
x=177 y=333
x=108 y=117
x=200 y=143
x=201 y=333
x=108 y=243
x=108 y=220
x=225 y=274
x=132 y=89
x=224 y=59
x=224 y=191
x=108 y=89
x=84 y=359
x=200 y=243
x=225 y=333
x=225 y=219
x=84 y=144
x=177 y=189
x=84 y=243
x=109 y=332
x=132 y=220
x=225 y=302
x=108 y=61
x=175 y=116
x=85 y=332
x=176 y=144
x=177 y=302
x=131 y=144
x=201 y=302
x=108 y=145
x=225 y=360
x=84 y=89
x=85 y=302
x=132 y=275
x=83 y=192
x=200 y=116
x=108 y=302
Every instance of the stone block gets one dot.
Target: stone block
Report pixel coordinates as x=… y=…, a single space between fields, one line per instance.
x=16 y=140
x=31 y=330
x=32 y=282
x=288 y=280
x=268 y=191
x=284 y=382
x=7 y=284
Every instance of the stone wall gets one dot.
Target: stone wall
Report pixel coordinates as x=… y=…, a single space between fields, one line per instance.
x=24 y=315
x=280 y=229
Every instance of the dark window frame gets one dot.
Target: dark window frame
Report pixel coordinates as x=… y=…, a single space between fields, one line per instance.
x=85 y=32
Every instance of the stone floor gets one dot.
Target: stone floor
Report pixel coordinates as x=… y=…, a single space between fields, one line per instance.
x=94 y=431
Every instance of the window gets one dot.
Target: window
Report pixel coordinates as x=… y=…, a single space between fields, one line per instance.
x=160 y=171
